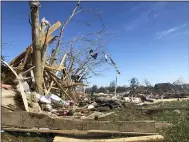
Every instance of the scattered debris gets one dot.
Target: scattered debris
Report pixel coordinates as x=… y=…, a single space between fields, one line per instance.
x=59 y=106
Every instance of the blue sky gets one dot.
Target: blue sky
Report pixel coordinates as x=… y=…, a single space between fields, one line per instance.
x=150 y=41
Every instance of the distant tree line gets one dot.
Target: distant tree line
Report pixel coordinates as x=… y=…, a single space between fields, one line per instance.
x=135 y=87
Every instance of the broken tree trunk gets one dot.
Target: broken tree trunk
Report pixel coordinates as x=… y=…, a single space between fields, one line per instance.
x=36 y=56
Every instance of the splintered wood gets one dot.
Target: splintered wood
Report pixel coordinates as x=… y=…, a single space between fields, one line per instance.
x=56 y=77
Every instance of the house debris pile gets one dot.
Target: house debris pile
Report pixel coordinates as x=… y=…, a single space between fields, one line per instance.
x=59 y=83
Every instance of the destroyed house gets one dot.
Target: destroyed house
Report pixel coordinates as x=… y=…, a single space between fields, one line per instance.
x=163 y=86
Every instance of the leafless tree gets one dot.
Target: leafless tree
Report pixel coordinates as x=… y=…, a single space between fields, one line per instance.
x=134 y=83
x=79 y=62
x=147 y=83
x=36 y=57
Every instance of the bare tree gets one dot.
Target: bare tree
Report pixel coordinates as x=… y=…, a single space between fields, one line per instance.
x=94 y=88
x=79 y=61
x=134 y=83
x=178 y=81
x=74 y=12
x=36 y=57
x=147 y=83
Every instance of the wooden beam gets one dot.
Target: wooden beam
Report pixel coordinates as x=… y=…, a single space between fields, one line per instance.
x=51 y=30
x=79 y=133
x=23 y=119
x=42 y=39
x=26 y=57
x=60 y=87
x=23 y=54
x=23 y=73
x=50 y=68
x=60 y=65
x=16 y=60
x=154 y=138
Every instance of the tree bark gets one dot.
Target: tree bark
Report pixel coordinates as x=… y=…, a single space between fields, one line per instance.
x=36 y=56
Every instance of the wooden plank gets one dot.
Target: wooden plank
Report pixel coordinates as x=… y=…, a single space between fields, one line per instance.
x=21 y=87
x=26 y=57
x=50 y=68
x=154 y=138
x=29 y=120
x=59 y=67
x=23 y=54
x=79 y=133
x=16 y=60
x=23 y=73
x=60 y=86
x=108 y=133
x=32 y=75
x=42 y=39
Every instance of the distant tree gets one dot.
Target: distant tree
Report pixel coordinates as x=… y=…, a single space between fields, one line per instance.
x=147 y=83
x=111 y=87
x=134 y=83
x=178 y=85
x=88 y=90
x=101 y=90
x=112 y=84
x=94 y=88
x=121 y=89
x=178 y=81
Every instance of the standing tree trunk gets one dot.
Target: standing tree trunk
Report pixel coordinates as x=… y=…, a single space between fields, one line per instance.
x=36 y=56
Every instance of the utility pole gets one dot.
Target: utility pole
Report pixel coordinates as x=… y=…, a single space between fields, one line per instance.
x=117 y=71
x=36 y=56
x=116 y=85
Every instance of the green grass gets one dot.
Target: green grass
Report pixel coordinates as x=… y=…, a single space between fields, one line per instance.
x=179 y=132
x=25 y=137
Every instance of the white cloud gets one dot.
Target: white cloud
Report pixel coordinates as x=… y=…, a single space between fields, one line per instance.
x=180 y=33
x=171 y=31
x=145 y=15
